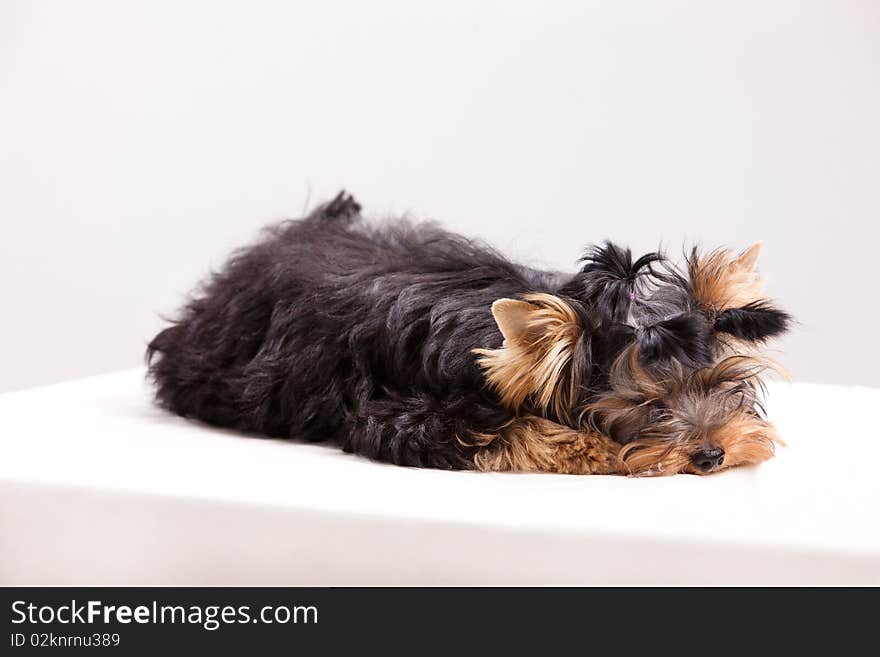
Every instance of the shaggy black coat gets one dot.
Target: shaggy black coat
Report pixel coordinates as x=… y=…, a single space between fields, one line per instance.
x=332 y=328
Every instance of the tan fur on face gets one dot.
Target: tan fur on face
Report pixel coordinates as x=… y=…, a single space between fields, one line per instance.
x=664 y=421
x=746 y=440
x=645 y=458
x=533 y=444
x=721 y=280
x=538 y=359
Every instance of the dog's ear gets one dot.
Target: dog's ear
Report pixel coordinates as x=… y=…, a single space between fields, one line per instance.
x=748 y=259
x=756 y=322
x=512 y=317
x=543 y=357
x=720 y=280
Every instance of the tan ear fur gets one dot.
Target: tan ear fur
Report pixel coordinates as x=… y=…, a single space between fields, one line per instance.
x=512 y=317
x=721 y=280
x=538 y=358
x=748 y=259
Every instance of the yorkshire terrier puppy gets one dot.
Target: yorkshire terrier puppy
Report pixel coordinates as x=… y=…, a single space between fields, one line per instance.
x=413 y=345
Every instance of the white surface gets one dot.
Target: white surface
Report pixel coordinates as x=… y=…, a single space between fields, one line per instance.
x=141 y=140
x=99 y=487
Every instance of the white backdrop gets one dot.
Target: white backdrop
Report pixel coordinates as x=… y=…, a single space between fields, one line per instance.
x=140 y=141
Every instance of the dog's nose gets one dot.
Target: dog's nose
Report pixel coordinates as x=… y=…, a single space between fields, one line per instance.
x=708 y=459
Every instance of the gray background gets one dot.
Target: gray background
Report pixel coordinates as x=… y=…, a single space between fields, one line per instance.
x=140 y=141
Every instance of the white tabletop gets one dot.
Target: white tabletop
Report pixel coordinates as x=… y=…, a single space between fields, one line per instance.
x=97 y=486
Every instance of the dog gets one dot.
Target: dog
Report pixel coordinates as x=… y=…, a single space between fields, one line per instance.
x=413 y=345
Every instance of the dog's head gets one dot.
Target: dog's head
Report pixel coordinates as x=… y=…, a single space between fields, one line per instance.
x=674 y=383
x=673 y=420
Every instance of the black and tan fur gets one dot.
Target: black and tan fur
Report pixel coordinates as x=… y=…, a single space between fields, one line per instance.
x=413 y=345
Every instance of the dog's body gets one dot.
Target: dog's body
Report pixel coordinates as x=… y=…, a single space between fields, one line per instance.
x=331 y=329
x=407 y=344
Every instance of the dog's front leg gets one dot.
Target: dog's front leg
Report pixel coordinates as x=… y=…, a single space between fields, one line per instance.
x=534 y=444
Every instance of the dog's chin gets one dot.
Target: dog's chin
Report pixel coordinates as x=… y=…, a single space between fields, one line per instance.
x=644 y=458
